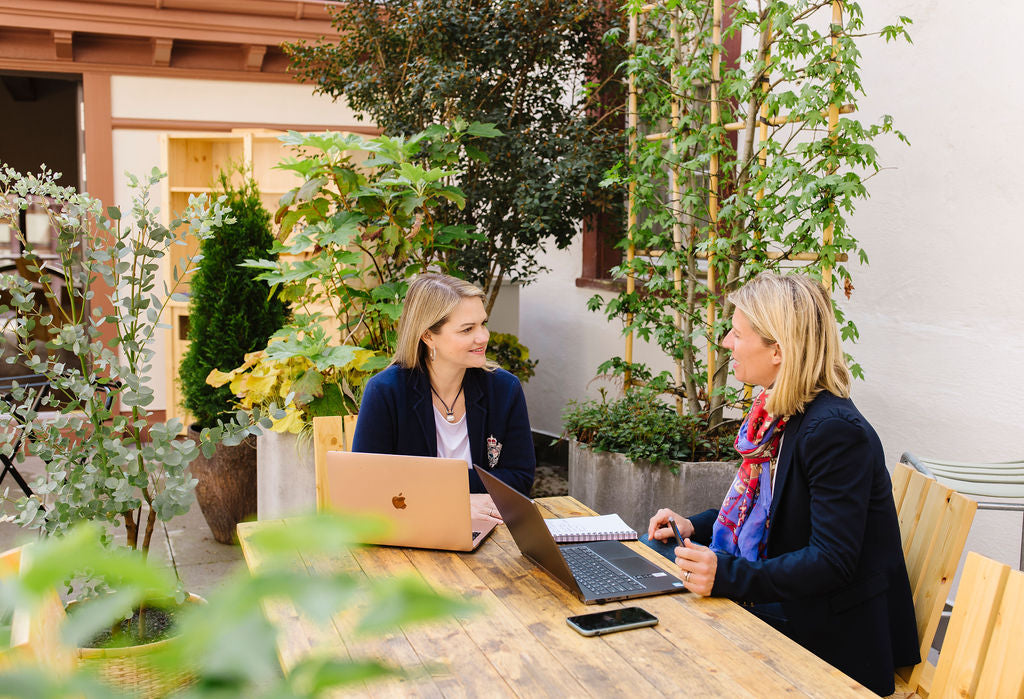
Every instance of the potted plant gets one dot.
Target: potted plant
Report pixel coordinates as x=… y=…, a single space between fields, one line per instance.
x=352 y=234
x=108 y=460
x=230 y=315
x=229 y=642
x=737 y=164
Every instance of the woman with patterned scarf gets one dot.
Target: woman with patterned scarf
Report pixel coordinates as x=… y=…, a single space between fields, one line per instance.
x=807 y=537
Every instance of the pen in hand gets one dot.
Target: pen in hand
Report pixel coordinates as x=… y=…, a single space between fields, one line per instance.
x=675 y=530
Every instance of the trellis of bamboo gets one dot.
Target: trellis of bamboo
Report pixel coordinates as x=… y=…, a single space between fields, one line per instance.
x=714 y=171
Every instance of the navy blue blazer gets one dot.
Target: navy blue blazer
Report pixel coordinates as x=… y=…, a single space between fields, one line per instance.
x=396 y=417
x=834 y=558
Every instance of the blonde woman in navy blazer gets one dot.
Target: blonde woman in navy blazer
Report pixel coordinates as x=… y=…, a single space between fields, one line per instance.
x=442 y=397
x=824 y=564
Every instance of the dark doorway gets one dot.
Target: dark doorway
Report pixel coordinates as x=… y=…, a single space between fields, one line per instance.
x=39 y=124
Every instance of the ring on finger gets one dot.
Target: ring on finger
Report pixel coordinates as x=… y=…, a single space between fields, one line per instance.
x=686 y=578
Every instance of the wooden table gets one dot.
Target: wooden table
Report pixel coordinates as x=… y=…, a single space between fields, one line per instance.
x=520 y=644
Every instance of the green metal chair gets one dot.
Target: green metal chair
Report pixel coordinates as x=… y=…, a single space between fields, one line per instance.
x=1003 y=480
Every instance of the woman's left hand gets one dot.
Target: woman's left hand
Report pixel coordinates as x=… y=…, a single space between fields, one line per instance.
x=699 y=564
x=482 y=507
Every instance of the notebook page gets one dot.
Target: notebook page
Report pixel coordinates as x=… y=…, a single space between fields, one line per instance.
x=595 y=528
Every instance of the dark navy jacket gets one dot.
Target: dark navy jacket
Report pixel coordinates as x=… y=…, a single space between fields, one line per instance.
x=834 y=558
x=396 y=417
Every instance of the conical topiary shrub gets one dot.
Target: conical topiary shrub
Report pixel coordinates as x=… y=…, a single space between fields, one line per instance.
x=230 y=314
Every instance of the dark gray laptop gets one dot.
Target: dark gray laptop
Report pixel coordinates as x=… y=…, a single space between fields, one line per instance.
x=599 y=571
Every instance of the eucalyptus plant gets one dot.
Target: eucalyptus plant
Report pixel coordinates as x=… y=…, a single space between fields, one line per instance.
x=784 y=197
x=364 y=220
x=107 y=458
x=228 y=644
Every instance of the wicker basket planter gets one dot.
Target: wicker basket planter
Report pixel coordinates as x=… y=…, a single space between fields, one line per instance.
x=131 y=670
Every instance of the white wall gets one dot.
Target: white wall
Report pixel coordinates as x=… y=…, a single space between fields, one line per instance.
x=939 y=307
x=138 y=151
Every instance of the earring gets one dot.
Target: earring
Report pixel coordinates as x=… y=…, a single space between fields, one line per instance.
x=433 y=353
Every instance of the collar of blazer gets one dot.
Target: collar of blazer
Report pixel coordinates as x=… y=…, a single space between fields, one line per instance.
x=476 y=409
x=785 y=462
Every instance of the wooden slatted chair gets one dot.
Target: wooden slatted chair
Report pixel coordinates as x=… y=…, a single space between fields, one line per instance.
x=981 y=655
x=35 y=634
x=333 y=433
x=934 y=522
x=982 y=481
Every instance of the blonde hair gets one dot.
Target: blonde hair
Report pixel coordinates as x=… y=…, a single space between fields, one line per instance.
x=428 y=303
x=796 y=312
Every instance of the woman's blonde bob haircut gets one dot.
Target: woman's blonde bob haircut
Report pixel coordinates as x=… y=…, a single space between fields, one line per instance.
x=795 y=312
x=428 y=303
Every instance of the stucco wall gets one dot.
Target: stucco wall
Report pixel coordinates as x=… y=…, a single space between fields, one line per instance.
x=938 y=308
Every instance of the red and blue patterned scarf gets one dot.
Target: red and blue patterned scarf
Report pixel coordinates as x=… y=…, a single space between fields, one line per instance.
x=742 y=525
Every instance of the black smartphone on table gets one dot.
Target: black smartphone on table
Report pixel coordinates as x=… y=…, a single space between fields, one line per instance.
x=611 y=620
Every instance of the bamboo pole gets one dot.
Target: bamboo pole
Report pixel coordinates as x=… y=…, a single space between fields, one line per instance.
x=676 y=196
x=780 y=120
x=784 y=119
x=833 y=121
x=770 y=254
x=631 y=128
x=716 y=118
x=762 y=153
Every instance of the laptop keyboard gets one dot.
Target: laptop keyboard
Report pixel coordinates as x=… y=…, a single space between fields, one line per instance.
x=595 y=573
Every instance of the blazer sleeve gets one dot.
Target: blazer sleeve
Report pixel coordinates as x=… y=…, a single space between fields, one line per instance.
x=703 y=524
x=376 y=426
x=517 y=462
x=837 y=456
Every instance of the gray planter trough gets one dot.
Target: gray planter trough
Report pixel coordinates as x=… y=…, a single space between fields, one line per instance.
x=609 y=482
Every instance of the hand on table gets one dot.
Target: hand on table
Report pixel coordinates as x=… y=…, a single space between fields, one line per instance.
x=699 y=564
x=482 y=507
x=659 y=530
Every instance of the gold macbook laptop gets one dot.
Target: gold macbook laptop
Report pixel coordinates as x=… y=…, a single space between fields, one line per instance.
x=426 y=499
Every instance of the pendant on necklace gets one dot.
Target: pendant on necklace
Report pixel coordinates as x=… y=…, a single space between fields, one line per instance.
x=451 y=417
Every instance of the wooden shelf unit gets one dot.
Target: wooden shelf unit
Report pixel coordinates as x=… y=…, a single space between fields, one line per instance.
x=193 y=162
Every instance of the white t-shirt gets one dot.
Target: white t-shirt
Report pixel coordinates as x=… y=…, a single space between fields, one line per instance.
x=452 y=438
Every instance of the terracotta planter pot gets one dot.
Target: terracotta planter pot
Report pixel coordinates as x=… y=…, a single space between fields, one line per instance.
x=226 y=491
x=609 y=482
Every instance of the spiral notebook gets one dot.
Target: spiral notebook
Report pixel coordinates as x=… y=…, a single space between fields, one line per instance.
x=571 y=530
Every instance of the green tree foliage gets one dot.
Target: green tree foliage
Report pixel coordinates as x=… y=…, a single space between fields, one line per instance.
x=231 y=313
x=784 y=200
x=523 y=65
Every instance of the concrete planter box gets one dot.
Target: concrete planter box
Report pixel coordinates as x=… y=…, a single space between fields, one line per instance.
x=609 y=482
x=285 y=475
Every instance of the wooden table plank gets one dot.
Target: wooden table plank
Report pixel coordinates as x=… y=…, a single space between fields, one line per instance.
x=455 y=664
x=739 y=628
x=522 y=661
x=298 y=636
x=519 y=645
x=392 y=649
x=606 y=671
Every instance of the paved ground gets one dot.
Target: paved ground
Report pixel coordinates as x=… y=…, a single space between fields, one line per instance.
x=201 y=561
